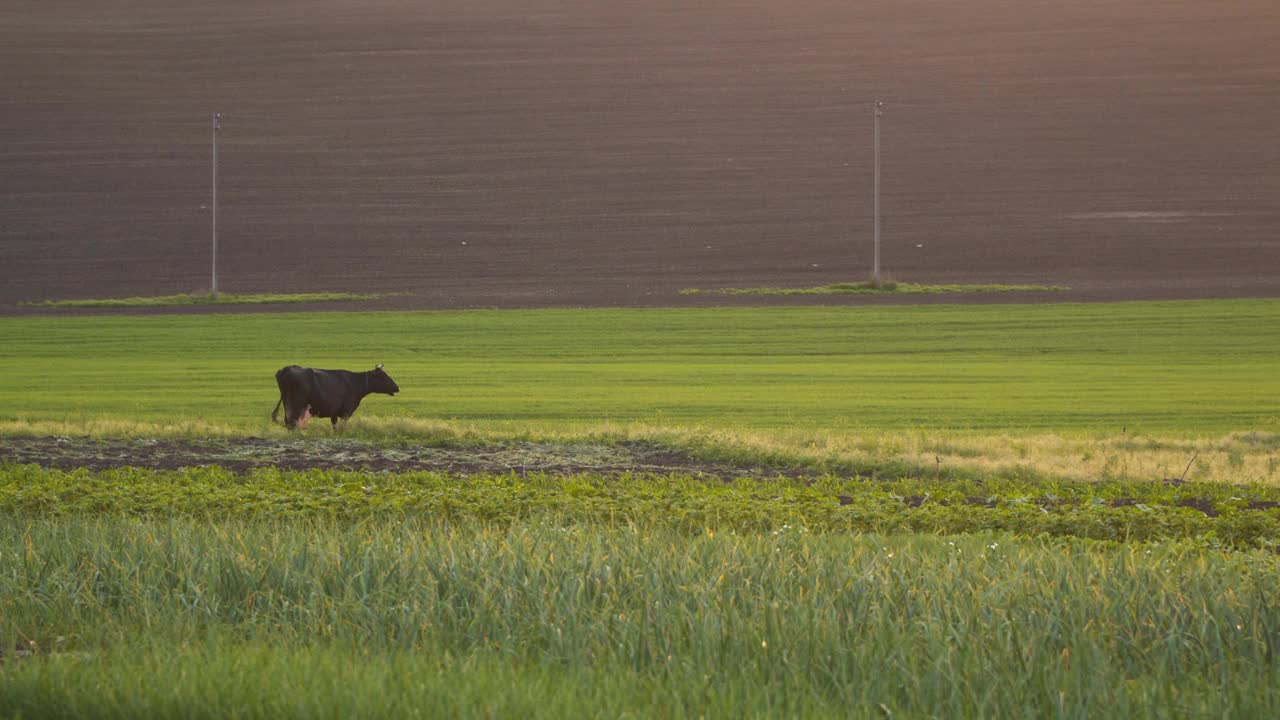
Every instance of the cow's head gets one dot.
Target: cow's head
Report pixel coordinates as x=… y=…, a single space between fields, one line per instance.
x=381 y=382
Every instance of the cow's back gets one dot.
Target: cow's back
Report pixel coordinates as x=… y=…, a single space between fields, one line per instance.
x=286 y=372
x=295 y=382
x=332 y=393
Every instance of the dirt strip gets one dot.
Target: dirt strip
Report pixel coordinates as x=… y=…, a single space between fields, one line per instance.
x=243 y=454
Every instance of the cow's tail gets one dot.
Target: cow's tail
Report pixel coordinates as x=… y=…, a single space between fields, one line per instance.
x=280 y=382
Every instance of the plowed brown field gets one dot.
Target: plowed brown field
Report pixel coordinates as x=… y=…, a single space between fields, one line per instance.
x=554 y=152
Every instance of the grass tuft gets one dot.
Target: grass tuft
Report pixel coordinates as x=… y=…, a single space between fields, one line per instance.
x=885 y=286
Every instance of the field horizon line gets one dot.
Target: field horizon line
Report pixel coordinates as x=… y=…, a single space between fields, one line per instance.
x=208 y=298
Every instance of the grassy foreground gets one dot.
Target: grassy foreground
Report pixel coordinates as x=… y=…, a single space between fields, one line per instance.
x=172 y=617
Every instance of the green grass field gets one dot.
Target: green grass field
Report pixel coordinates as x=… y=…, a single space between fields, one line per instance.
x=1141 y=390
x=1176 y=368
x=1005 y=551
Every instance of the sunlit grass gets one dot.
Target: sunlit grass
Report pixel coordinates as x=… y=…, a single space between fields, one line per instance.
x=1197 y=368
x=1138 y=390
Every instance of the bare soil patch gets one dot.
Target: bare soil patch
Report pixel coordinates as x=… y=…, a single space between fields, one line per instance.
x=534 y=153
x=243 y=454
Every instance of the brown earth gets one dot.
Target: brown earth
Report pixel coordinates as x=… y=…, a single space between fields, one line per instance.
x=554 y=153
x=244 y=454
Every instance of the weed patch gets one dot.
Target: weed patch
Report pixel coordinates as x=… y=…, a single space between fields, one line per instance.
x=884 y=287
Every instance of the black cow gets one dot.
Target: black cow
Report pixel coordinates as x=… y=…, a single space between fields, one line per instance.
x=335 y=394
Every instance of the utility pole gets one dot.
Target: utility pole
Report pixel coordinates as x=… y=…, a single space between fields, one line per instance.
x=217 y=117
x=875 y=270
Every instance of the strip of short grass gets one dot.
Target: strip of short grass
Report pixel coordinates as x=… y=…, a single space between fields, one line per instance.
x=884 y=287
x=417 y=617
x=183 y=299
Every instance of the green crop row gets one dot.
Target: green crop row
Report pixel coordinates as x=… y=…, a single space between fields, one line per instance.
x=1229 y=516
x=1189 y=368
x=405 y=615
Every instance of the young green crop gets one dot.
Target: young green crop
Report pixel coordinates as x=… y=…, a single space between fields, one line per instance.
x=1174 y=368
x=1218 y=515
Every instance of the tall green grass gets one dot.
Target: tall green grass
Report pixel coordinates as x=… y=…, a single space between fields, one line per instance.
x=1182 y=368
x=169 y=617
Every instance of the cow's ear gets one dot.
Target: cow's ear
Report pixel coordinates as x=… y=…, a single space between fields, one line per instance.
x=379 y=367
